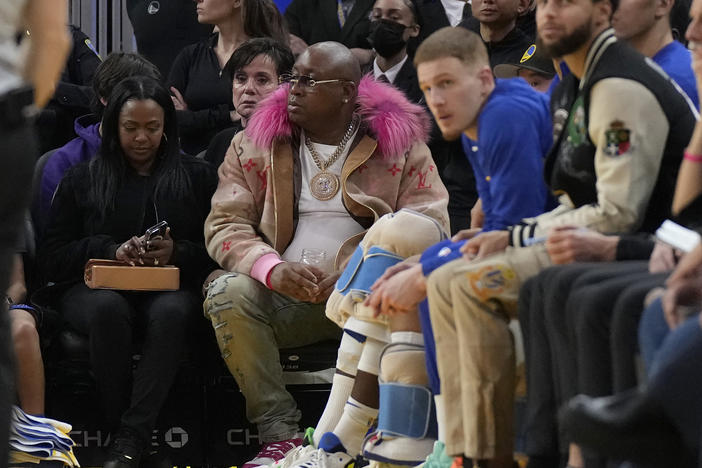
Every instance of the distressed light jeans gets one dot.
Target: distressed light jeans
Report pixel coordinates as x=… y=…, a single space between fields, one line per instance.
x=251 y=323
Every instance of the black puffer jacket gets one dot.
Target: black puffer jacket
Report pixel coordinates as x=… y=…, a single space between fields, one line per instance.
x=76 y=232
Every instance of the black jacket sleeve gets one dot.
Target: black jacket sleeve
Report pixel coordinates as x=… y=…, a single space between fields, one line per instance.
x=190 y=255
x=178 y=76
x=218 y=147
x=640 y=246
x=635 y=247
x=193 y=122
x=84 y=60
x=73 y=96
x=65 y=249
x=74 y=89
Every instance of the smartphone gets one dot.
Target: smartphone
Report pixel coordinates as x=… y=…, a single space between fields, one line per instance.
x=677 y=236
x=155 y=232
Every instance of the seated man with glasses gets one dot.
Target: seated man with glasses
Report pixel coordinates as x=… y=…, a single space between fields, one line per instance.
x=321 y=159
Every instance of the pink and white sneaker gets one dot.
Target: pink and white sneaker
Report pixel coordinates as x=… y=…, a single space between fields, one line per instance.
x=272 y=452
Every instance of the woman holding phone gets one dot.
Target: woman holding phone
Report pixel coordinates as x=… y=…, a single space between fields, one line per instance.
x=102 y=209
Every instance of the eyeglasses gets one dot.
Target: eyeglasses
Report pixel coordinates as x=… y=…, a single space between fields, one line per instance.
x=305 y=81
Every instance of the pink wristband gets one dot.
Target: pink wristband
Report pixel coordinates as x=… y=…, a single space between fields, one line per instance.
x=268 y=279
x=262 y=268
x=693 y=157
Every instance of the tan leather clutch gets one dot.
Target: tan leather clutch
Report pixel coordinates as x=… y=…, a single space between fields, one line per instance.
x=113 y=274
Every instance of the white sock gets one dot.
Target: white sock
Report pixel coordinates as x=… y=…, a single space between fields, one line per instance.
x=340 y=393
x=354 y=425
x=440 y=416
x=414 y=338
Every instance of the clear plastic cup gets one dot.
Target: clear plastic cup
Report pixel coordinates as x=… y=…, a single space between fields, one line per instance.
x=314 y=257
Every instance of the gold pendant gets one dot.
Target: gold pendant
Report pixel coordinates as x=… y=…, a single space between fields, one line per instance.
x=324 y=185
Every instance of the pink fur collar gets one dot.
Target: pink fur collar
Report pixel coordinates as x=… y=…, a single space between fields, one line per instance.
x=394 y=121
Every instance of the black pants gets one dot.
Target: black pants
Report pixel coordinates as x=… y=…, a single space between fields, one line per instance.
x=607 y=315
x=112 y=320
x=544 y=390
x=566 y=315
x=17 y=157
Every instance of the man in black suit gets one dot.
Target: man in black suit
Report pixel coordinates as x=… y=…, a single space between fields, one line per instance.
x=393 y=24
x=430 y=16
x=345 y=21
x=437 y=14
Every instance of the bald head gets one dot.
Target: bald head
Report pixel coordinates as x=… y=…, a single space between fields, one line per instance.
x=325 y=109
x=333 y=60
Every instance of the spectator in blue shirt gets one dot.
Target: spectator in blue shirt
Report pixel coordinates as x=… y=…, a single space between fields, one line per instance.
x=506 y=131
x=645 y=25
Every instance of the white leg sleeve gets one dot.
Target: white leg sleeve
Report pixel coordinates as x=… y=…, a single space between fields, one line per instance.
x=346 y=362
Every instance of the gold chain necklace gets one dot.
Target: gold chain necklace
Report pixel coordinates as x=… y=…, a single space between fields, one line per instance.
x=325 y=185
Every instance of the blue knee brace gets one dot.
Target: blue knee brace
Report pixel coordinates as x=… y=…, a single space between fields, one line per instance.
x=407 y=411
x=362 y=270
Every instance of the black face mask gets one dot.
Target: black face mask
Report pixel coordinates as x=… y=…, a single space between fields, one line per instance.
x=386 y=37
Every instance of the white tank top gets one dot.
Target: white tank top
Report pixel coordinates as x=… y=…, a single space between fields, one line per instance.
x=321 y=225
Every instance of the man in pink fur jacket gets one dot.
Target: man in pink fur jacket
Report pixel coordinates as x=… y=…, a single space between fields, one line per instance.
x=321 y=160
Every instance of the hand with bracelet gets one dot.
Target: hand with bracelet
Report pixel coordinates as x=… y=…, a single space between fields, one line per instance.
x=158 y=251
x=136 y=251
